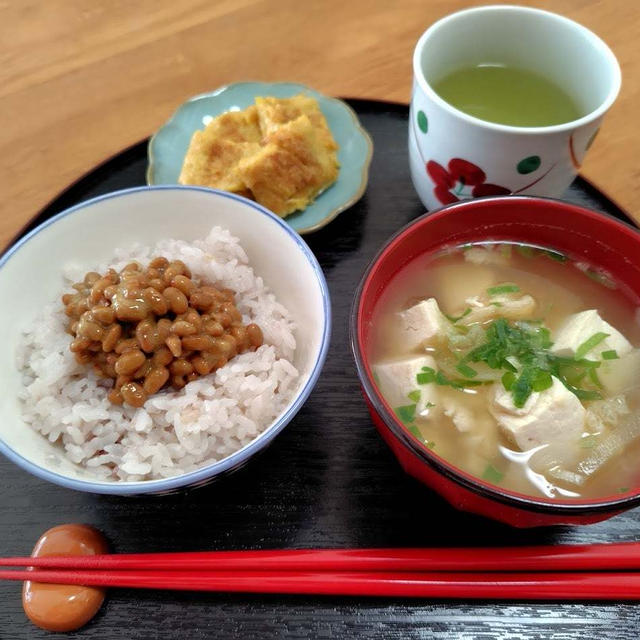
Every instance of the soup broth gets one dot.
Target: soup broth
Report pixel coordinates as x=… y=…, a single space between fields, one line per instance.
x=495 y=388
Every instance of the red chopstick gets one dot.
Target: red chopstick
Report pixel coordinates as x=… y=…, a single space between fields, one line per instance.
x=500 y=586
x=598 y=557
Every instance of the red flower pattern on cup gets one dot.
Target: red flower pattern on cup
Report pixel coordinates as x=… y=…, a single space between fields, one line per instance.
x=462 y=180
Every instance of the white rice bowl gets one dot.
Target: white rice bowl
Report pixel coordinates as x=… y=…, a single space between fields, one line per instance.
x=175 y=431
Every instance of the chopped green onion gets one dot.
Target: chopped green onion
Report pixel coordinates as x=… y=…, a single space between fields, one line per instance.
x=583 y=394
x=461 y=329
x=502 y=328
x=503 y=288
x=455 y=319
x=572 y=362
x=443 y=381
x=513 y=361
x=545 y=337
x=414 y=395
x=610 y=354
x=406 y=413
x=579 y=378
x=496 y=304
x=466 y=370
x=593 y=376
x=623 y=489
x=508 y=379
x=491 y=474
x=415 y=431
x=522 y=350
x=542 y=380
x=590 y=343
x=521 y=389
x=429 y=405
x=426 y=376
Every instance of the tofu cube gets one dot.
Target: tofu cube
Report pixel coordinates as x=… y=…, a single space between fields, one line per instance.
x=580 y=327
x=396 y=380
x=548 y=417
x=462 y=418
x=422 y=325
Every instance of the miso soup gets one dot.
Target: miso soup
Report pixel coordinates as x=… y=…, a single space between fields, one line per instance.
x=516 y=364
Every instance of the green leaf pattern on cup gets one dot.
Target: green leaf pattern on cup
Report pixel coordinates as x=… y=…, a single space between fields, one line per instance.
x=423 y=122
x=528 y=165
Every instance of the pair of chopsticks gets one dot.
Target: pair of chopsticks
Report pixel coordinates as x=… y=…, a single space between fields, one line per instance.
x=568 y=572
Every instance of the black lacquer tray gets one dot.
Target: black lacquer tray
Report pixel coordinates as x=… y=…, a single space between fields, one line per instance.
x=327 y=481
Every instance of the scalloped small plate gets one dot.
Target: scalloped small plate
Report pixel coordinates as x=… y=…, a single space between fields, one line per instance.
x=169 y=144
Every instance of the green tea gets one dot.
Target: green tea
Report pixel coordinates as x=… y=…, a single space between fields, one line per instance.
x=507 y=95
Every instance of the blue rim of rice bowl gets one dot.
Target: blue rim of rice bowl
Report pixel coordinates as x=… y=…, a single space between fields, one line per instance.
x=235 y=460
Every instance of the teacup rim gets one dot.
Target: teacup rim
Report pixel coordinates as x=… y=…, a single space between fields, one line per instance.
x=592 y=116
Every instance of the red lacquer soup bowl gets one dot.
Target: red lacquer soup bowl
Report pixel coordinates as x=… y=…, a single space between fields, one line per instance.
x=600 y=240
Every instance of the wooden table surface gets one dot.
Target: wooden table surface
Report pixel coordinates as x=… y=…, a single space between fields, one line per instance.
x=80 y=80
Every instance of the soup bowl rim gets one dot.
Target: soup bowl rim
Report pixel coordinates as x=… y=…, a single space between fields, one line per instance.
x=441 y=465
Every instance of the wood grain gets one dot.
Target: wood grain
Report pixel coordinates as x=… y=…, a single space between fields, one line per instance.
x=328 y=480
x=79 y=80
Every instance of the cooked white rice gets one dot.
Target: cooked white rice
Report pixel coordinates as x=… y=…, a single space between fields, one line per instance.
x=175 y=431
